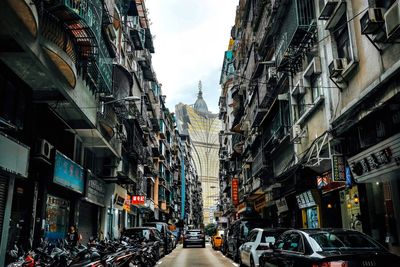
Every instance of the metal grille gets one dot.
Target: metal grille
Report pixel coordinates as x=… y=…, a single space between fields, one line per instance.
x=3 y=199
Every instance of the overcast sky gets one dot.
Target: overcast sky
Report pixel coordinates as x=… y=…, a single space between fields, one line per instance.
x=190 y=39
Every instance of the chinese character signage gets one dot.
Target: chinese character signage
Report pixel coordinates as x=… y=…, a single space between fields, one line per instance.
x=378 y=160
x=338 y=168
x=95 y=189
x=138 y=200
x=127 y=204
x=305 y=200
x=68 y=173
x=235 y=191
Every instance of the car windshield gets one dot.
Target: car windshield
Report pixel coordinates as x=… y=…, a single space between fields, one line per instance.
x=343 y=241
x=158 y=226
x=138 y=233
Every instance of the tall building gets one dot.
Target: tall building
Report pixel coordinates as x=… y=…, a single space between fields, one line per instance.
x=203 y=127
x=310 y=107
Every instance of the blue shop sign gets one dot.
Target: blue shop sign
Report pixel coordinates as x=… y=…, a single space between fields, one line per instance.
x=68 y=173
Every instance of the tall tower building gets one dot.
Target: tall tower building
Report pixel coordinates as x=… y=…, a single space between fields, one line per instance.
x=203 y=128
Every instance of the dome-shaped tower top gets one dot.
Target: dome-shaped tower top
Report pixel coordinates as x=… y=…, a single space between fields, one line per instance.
x=200 y=105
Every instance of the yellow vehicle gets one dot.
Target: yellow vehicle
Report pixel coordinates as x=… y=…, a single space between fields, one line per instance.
x=216 y=240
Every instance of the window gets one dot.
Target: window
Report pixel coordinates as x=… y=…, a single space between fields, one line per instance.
x=290 y=242
x=316 y=88
x=301 y=105
x=252 y=236
x=342 y=39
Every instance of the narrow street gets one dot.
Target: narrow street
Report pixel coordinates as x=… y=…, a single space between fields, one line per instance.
x=195 y=256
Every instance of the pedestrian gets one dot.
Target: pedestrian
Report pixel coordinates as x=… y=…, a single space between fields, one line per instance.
x=73 y=237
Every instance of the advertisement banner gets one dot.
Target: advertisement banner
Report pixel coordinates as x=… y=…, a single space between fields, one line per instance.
x=138 y=200
x=69 y=174
x=127 y=204
x=235 y=191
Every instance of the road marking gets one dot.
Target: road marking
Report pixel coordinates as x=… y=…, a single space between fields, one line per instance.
x=235 y=264
x=158 y=263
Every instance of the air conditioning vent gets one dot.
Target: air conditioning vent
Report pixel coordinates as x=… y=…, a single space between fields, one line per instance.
x=372 y=21
x=43 y=150
x=392 y=21
x=337 y=66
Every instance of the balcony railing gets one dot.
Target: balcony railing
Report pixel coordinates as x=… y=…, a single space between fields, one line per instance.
x=299 y=31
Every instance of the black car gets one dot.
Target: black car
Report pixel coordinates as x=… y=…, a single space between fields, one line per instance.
x=327 y=247
x=162 y=228
x=149 y=234
x=238 y=232
x=194 y=237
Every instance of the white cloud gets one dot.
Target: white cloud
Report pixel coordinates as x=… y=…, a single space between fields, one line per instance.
x=190 y=39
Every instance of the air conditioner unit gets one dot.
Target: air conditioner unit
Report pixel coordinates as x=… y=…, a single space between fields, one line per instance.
x=271 y=74
x=337 y=66
x=372 y=21
x=392 y=21
x=43 y=150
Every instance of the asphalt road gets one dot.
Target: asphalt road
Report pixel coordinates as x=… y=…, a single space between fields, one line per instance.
x=195 y=257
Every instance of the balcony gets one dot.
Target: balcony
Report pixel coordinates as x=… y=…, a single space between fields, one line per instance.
x=259 y=163
x=59 y=45
x=162 y=151
x=83 y=19
x=299 y=32
x=163 y=130
x=136 y=33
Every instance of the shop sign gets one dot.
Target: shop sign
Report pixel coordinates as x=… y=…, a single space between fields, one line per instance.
x=338 y=168
x=379 y=161
x=138 y=200
x=235 y=191
x=260 y=203
x=95 y=189
x=127 y=204
x=305 y=200
x=281 y=205
x=14 y=156
x=69 y=174
x=120 y=195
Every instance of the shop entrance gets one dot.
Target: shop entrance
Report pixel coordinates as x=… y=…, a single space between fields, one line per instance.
x=57 y=218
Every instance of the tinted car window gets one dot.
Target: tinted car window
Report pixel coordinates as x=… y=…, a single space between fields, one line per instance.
x=332 y=241
x=139 y=233
x=290 y=242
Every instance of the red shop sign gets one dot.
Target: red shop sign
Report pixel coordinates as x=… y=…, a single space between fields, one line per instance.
x=235 y=191
x=138 y=200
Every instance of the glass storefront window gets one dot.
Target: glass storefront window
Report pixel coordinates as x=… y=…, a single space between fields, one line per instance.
x=57 y=218
x=312 y=218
